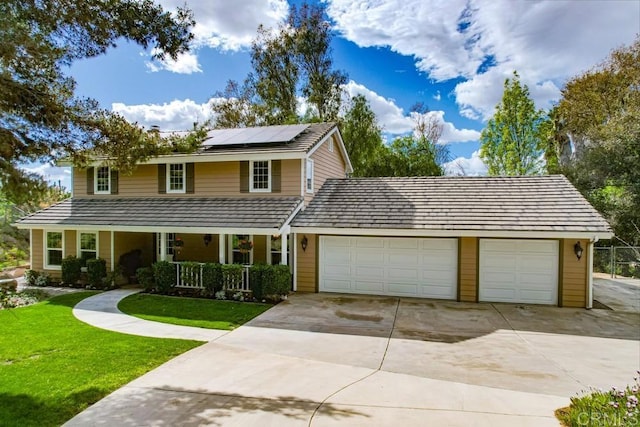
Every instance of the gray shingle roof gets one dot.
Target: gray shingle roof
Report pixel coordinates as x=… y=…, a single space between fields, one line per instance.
x=168 y=212
x=531 y=203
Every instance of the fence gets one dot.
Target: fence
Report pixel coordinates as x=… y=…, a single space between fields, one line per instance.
x=617 y=260
x=189 y=275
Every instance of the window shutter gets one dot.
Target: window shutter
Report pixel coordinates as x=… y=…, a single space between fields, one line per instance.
x=190 y=176
x=162 y=179
x=244 y=177
x=90 y=172
x=276 y=176
x=114 y=181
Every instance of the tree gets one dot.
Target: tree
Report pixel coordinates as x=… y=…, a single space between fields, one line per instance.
x=513 y=141
x=413 y=156
x=362 y=136
x=600 y=114
x=41 y=119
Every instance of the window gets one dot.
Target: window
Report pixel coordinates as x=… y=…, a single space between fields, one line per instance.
x=276 y=249
x=87 y=246
x=171 y=237
x=102 y=184
x=260 y=176
x=309 y=183
x=330 y=145
x=241 y=249
x=175 y=178
x=53 y=244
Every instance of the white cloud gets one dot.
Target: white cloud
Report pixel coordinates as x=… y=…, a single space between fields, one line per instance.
x=437 y=96
x=483 y=42
x=231 y=25
x=175 y=115
x=51 y=174
x=473 y=166
x=394 y=120
x=185 y=63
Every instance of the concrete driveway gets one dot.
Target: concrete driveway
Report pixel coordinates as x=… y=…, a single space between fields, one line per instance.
x=327 y=359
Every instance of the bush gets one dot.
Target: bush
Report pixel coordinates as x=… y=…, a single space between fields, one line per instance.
x=31 y=276
x=43 y=279
x=97 y=272
x=164 y=274
x=71 y=270
x=145 y=278
x=259 y=275
x=269 y=281
x=212 y=278
x=281 y=282
x=231 y=276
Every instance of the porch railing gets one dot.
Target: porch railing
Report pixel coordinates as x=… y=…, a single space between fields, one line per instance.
x=190 y=277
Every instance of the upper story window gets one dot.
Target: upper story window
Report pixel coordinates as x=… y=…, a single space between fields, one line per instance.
x=176 y=178
x=309 y=180
x=102 y=182
x=330 y=145
x=260 y=176
x=53 y=244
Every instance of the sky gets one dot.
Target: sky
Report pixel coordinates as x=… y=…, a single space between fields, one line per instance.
x=452 y=55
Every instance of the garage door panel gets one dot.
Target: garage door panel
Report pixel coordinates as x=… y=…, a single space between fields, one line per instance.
x=524 y=271
x=415 y=267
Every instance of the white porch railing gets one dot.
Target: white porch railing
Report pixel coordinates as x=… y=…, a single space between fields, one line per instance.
x=191 y=278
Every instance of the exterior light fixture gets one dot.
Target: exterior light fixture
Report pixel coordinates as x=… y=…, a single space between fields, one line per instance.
x=207 y=239
x=577 y=248
x=304 y=242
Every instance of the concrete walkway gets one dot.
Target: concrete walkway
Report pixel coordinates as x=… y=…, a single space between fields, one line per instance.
x=102 y=312
x=264 y=375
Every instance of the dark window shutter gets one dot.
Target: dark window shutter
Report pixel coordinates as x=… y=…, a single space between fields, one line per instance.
x=114 y=181
x=276 y=176
x=162 y=179
x=244 y=177
x=90 y=172
x=190 y=188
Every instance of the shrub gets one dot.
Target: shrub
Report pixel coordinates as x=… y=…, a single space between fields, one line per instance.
x=30 y=276
x=71 y=270
x=212 y=278
x=269 y=281
x=164 y=274
x=145 y=278
x=97 y=272
x=231 y=276
x=43 y=279
x=281 y=282
x=259 y=274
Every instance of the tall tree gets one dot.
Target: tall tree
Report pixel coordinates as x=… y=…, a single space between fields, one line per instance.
x=513 y=141
x=600 y=113
x=40 y=116
x=362 y=136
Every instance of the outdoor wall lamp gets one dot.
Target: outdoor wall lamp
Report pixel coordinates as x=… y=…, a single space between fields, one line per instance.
x=304 y=242
x=577 y=248
x=207 y=239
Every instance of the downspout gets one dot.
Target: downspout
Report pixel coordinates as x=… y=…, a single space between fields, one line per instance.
x=590 y=274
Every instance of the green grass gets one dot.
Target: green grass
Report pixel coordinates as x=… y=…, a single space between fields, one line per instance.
x=52 y=366
x=202 y=313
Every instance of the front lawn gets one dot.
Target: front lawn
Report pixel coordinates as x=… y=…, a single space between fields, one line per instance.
x=202 y=313
x=52 y=366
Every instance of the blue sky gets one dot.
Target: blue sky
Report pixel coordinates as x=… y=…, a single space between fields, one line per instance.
x=453 y=55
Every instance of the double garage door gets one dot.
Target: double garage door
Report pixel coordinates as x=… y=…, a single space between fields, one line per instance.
x=522 y=271
x=411 y=267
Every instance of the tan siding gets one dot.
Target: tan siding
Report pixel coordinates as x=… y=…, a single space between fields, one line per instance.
x=574 y=274
x=127 y=242
x=70 y=243
x=307 y=261
x=327 y=164
x=259 y=249
x=216 y=179
x=468 y=269
x=194 y=248
x=104 y=247
x=37 y=248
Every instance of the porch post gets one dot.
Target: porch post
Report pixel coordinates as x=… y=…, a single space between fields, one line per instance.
x=113 y=251
x=163 y=246
x=283 y=255
x=222 y=252
x=295 y=261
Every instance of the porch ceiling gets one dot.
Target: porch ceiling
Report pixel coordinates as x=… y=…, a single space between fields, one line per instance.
x=167 y=212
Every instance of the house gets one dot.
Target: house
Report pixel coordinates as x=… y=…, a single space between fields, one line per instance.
x=285 y=190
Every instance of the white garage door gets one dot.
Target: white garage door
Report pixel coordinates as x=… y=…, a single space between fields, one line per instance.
x=519 y=271
x=425 y=268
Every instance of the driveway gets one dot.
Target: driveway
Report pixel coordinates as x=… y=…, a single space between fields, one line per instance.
x=327 y=359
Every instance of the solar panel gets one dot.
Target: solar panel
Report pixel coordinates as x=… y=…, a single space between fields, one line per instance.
x=254 y=135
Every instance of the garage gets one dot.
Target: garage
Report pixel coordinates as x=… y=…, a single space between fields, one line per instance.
x=408 y=267
x=520 y=271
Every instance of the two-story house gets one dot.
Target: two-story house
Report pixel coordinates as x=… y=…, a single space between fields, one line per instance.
x=285 y=190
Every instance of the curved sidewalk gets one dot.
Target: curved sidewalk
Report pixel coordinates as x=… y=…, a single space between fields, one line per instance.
x=102 y=312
